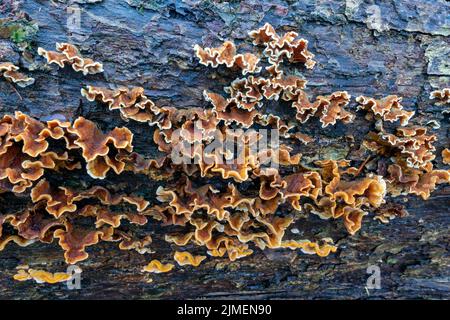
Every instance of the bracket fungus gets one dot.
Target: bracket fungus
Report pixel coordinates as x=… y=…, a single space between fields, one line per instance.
x=388 y=108
x=69 y=54
x=446 y=156
x=286 y=46
x=41 y=276
x=10 y=72
x=225 y=208
x=156 y=266
x=186 y=258
x=226 y=54
x=441 y=97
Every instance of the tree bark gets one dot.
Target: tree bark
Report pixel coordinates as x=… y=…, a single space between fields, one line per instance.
x=372 y=48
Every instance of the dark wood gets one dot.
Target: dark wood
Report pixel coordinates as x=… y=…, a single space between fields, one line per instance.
x=404 y=50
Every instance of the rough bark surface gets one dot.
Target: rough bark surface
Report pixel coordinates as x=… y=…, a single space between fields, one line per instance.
x=366 y=47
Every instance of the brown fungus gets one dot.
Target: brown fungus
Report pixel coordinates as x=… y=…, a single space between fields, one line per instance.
x=156 y=266
x=388 y=108
x=10 y=72
x=226 y=55
x=68 y=54
x=442 y=97
x=225 y=208
x=186 y=258
x=41 y=276
x=446 y=156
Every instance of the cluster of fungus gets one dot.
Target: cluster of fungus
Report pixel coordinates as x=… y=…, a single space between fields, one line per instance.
x=442 y=97
x=10 y=72
x=222 y=219
x=68 y=53
x=25 y=273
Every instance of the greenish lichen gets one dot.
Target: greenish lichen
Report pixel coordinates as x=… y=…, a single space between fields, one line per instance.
x=21 y=32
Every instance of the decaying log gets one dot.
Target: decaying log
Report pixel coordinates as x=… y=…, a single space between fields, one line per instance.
x=364 y=47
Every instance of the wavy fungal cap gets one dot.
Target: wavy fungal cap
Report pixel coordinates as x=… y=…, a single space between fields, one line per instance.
x=41 y=276
x=155 y=266
x=69 y=54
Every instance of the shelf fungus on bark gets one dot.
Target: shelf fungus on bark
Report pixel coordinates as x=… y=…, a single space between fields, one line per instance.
x=328 y=108
x=411 y=152
x=10 y=72
x=225 y=204
x=441 y=97
x=24 y=155
x=41 y=276
x=74 y=242
x=60 y=200
x=226 y=55
x=390 y=211
x=184 y=258
x=156 y=266
x=412 y=145
x=322 y=248
x=446 y=156
x=421 y=182
x=69 y=54
x=25 y=145
x=248 y=94
x=236 y=215
x=286 y=46
x=350 y=200
x=388 y=108
x=96 y=146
